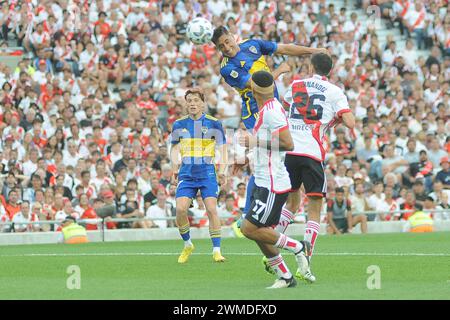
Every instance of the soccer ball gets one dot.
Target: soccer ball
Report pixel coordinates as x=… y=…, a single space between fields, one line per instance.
x=199 y=30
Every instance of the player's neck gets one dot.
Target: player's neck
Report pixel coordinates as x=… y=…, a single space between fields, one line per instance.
x=261 y=101
x=196 y=116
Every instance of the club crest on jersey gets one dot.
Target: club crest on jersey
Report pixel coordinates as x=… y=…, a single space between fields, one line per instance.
x=252 y=49
x=234 y=74
x=204 y=130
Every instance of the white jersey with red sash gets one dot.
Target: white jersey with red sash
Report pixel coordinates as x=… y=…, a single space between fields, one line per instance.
x=313 y=104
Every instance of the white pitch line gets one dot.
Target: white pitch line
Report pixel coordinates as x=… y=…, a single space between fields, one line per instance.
x=121 y=254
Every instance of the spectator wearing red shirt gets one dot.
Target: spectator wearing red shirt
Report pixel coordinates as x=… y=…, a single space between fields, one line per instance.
x=343 y=147
x=12 y=206
x=230 y=208
x=85 y=211
x=409 y=204
x=105 y=28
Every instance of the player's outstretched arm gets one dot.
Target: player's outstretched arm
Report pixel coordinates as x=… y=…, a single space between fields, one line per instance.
x=296 y=50
x=349 y=120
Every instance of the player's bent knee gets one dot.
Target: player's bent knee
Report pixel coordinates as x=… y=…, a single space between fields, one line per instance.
x=180 y=212
x=246 y=229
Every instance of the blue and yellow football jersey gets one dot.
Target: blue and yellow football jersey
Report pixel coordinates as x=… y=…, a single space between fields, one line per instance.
x=237 y=71
x=198 y=139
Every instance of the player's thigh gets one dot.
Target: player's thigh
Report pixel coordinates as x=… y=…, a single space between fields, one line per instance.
x=294 y=168
x=266 y=207
x=186 y=190
x=313 y=177
x=209 y=188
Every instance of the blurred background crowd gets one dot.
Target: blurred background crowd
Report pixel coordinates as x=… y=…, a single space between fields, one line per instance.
x=86 y=111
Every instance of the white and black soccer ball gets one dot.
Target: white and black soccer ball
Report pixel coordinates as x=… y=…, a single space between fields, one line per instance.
x=199 y=30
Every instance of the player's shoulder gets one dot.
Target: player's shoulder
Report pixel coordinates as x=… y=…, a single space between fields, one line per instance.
x=246 y=42
x=213 y=122
x=181 y=120
x=224 y=62
x=253 y=45
x=274 y=106
x=210 y=117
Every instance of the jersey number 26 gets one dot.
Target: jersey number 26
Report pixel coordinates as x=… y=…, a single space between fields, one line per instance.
x=304 y=106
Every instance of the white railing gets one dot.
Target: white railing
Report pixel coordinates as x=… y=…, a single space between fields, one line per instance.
x=103 y=221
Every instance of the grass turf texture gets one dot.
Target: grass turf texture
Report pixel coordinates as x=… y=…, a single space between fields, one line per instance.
x=128 y=270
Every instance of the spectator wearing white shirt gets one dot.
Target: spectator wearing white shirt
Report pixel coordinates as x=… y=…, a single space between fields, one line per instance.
x=432 y=93
x=409 y=53
x=179 y=71
x=217 y=7
x=358 y=199
x=40 y=76
x=415 y=21
x=30 y=166
x=89 y=58
x=377 y=197
x=40 y=39
x=390 y=54
x=145 y=74
x=228 y=111
x=71 y=155
x=161 y=210
x=387 y=206
x=23 y=218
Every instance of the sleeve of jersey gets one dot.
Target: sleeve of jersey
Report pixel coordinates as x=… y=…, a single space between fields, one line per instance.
x=267 y=48
x=220 y=135
x=341 y=105
x=235 y=77
x=278 y=120
x=175 y=135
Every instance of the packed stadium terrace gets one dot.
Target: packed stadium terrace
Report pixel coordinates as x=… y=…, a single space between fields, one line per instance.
x=86 y=113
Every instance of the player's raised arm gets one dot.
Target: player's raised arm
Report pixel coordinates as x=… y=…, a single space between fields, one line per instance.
x=296 y=50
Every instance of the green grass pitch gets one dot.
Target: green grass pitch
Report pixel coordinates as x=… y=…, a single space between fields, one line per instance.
x=413 y=266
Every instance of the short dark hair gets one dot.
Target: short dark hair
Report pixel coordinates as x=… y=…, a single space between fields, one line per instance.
x=322 y=63
x=218 y=32
x=229 y=196
x=339 y=190
x=262 y=78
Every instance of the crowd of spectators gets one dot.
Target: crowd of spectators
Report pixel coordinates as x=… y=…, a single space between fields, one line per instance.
x=85 y=115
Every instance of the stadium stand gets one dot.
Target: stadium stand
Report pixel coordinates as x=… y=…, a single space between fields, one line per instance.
x=89 y=91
